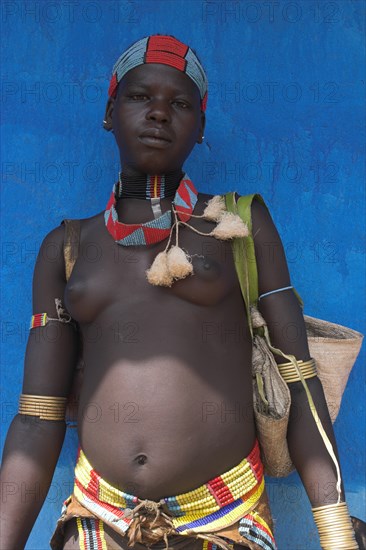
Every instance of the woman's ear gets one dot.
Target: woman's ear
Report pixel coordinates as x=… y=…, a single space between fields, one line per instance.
x=107 y=122
x=201 y=135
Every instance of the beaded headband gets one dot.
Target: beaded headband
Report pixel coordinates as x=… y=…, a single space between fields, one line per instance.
x=165 y=50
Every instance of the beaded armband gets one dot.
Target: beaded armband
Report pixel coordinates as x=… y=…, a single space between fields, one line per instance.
x=290 y=374
x=41 y=319
x=335 y=527
x=46 y=407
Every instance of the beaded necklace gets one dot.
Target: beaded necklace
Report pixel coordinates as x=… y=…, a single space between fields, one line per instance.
x=158 y=229
x=173 y=263
x=146 y=186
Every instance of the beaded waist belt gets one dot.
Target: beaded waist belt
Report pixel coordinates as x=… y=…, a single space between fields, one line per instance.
x=215 y=505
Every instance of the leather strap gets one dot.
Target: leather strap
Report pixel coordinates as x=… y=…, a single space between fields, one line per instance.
x=71 y=245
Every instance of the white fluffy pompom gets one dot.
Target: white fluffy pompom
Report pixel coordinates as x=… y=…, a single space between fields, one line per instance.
x=158 y=274
x=178 y=262
x=215 y=209
x=230 y=227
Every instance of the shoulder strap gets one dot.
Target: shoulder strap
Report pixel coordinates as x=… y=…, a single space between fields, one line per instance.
x=240 y=260
x=244 y=255
x=244 y=208
x=71 y=245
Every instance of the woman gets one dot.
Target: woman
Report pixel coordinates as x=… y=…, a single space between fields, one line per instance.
x=170 y=368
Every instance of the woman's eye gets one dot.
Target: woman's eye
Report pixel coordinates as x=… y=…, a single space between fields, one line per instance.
x=138 y=97
x=181 y=104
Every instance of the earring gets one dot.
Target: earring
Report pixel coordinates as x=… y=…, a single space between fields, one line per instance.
x=203 y=137
x=103 y=126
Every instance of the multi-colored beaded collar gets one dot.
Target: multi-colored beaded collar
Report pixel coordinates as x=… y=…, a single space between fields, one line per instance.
x=173 y=262
x=158 y=229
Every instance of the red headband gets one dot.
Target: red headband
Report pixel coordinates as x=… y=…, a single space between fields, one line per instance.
x=166 y=50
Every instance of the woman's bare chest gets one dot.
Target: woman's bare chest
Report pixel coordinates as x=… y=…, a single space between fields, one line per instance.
x=106 y=273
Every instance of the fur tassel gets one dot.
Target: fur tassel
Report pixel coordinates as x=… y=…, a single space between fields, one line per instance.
x=178 y=263
x=215 y=209
x=230 y=226
x=158 y=274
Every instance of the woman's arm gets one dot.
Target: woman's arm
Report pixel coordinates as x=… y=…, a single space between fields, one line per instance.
x=33 y=445
x=285 y=321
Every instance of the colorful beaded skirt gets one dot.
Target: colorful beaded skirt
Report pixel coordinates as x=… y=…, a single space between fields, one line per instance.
x=214 y=506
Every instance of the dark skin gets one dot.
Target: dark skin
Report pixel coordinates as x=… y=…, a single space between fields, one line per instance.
x=164 y=366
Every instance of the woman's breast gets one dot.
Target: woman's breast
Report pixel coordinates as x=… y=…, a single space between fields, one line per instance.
x=94 y=287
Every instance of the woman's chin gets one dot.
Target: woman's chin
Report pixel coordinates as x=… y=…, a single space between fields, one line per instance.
x=151 y=167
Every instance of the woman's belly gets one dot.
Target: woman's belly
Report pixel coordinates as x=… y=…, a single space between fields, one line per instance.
x=161 y=427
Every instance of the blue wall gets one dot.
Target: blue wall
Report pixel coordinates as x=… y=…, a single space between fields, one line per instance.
x=285 y=118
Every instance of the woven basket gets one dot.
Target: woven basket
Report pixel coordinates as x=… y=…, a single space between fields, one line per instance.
x=272 y=437
x=335 y=349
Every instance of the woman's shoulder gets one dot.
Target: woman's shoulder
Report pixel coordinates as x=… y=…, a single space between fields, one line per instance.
x=259 y=209
x=83 y=223
x=81 y=229
x=56 y=235
x=68 y=233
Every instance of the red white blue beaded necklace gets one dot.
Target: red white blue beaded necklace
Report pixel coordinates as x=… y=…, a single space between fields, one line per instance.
x=173 y=263
x=158 y=229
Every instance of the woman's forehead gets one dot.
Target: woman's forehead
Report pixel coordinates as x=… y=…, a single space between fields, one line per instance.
x=155 y=73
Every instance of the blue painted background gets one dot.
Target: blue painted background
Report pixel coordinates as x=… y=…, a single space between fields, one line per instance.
x=285 y=118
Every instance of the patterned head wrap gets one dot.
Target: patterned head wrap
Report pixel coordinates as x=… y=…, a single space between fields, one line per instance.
x=166 y=50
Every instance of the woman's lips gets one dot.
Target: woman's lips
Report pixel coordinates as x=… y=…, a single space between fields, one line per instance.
x=155 y=138
x=151 y=141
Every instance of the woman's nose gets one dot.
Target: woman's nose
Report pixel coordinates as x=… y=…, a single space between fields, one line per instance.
x=159 y=111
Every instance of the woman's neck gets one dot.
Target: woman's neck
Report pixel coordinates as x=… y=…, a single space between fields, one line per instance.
x=148 y=186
